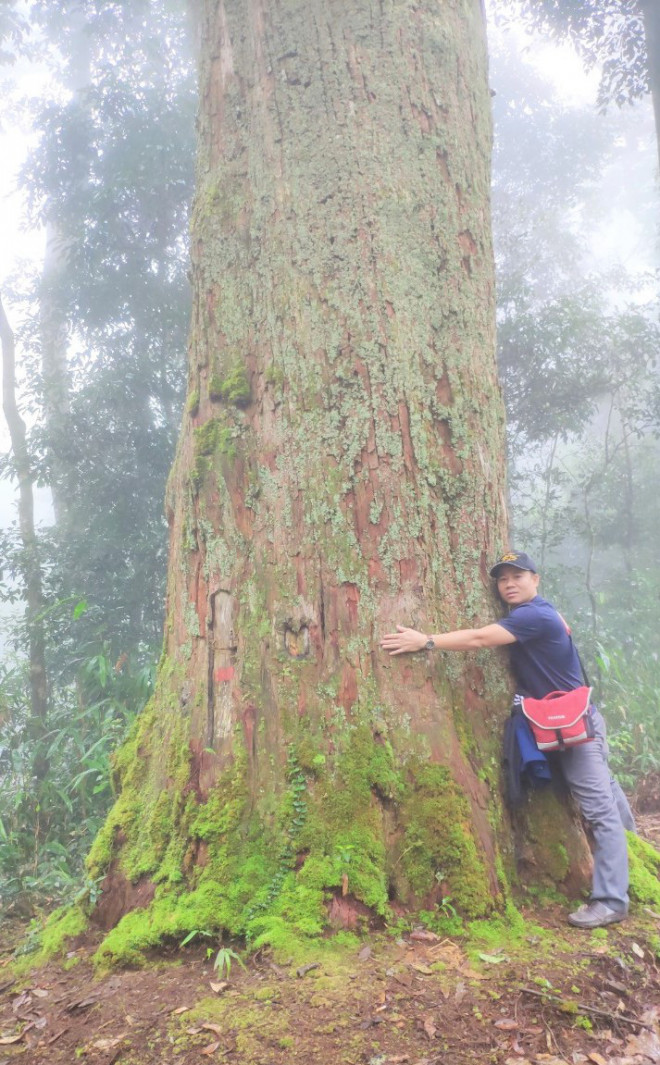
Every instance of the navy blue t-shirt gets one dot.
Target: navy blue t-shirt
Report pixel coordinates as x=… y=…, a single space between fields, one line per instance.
x=543 y=659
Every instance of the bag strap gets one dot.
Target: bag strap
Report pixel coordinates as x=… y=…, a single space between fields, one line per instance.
x=570 y=636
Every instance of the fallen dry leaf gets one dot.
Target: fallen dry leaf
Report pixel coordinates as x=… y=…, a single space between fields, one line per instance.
x=5 y=1040
x=644 y=1044
x=22 y=1000
x=423 y=969
x=422 y=935
x=449 y=953
x=219 y=987
x=82 y=1004
x=460 y=992
x=210 y=1049
x=597 y=1059
x=40 y=992
x=506 y=1024
x=637 y=950
x=180 y=1009
x=429 y=1026
x=108 y=1044
x=213 y=1028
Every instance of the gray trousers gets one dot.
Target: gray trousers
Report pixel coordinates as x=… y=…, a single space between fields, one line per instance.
x=604 y=806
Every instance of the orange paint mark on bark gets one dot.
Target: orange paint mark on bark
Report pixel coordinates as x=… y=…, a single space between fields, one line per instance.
x=224 y=674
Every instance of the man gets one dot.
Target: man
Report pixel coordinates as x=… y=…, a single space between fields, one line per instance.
x=543 y=660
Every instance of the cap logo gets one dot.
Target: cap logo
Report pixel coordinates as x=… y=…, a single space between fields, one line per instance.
x=508 y=558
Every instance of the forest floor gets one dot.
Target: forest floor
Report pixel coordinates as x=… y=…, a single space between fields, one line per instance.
x=555 y=996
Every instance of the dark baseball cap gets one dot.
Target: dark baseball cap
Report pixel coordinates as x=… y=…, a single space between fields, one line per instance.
x=513 y=558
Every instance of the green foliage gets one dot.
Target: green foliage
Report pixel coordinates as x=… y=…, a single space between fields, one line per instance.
x=111 y=174
x=223 y=960
x=47 y=825
x=607 y=33
x=630 y=692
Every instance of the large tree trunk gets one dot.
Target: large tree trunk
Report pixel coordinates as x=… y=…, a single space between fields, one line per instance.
x=341 y=469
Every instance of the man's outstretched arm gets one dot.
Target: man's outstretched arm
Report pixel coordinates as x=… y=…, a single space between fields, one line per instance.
x=407 y=641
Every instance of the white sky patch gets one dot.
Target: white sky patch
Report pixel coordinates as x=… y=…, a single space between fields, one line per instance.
x=557 y=63
x=562 y=67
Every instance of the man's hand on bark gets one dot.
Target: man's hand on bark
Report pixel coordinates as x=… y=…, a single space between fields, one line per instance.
x=403 y=641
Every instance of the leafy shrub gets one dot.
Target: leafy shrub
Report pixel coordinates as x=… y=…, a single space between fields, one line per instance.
x=47 y=825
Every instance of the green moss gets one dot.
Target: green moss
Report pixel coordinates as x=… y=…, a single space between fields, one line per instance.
x=63 y=925
x=233 y=388
x=270 y=869
x=192 y=405
x=438 y=845
x=274 y=376
x=644 y=871
x=546 y=825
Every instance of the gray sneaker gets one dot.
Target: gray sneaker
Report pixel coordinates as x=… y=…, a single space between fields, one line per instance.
x=596 y=915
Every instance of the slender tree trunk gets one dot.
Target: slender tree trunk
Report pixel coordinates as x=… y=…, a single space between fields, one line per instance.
x=54 y=323
x=54 y=368
x=30 y=556
x=340 y=470
x=651 y=11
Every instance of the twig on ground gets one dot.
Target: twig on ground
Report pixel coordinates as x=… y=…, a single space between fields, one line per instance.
x=583 y=1007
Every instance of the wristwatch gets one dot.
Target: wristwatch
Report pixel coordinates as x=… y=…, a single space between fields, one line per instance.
x=429 y=645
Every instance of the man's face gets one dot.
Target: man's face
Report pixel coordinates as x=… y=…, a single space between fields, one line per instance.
x=516 y=586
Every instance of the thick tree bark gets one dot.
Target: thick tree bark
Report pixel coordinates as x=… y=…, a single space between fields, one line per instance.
x=30 y=557
x=340 y=469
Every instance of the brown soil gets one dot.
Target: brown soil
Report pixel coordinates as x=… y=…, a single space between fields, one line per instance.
x=561 y=996
x=416 y=1001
